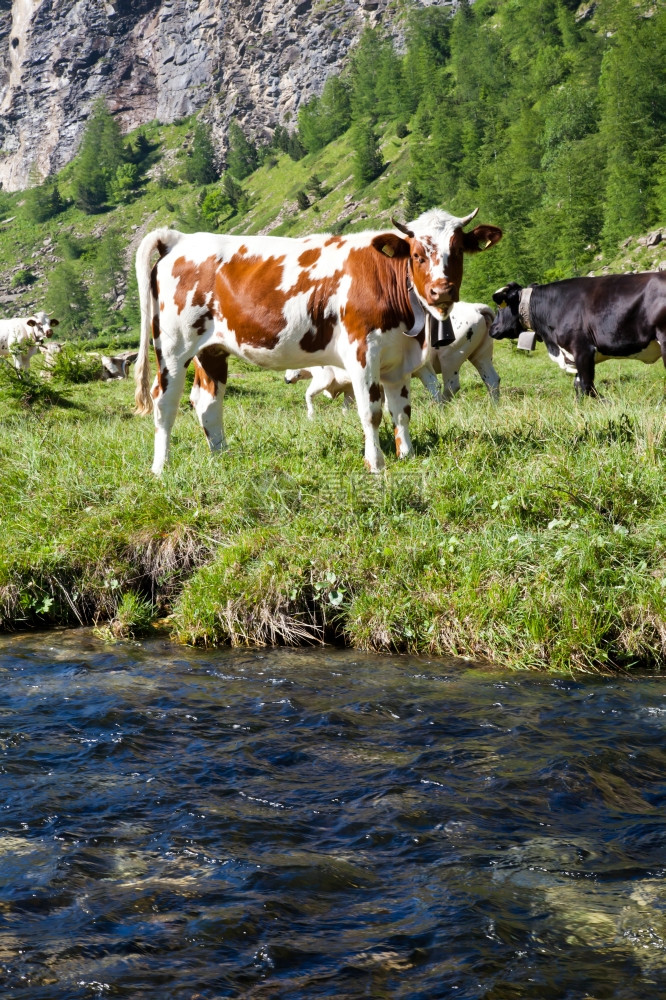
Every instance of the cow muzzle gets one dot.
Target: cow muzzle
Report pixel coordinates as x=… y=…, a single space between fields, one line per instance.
x=442 y=296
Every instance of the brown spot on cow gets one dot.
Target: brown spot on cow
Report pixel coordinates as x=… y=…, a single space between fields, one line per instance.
x=398 y=440
x=162 y=248
x=407 y=410
x=156 y=327
x=334 y=241
x=375 y=392
x=154 y=284
x=317 y=339
x=378 y=298
x=309 y=257
x=323 y=323
x=202 y=322
x=199 y=279
x=248 y=296
x=404 y=392
x=212 y=369
x=162 y=374
x=376 y=417
x=162 y=382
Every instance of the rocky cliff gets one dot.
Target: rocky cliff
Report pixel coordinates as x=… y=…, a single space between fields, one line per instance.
x=255 y=60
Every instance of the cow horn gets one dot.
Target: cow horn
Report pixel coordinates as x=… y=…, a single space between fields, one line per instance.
x=468 y=218
x=403 y=229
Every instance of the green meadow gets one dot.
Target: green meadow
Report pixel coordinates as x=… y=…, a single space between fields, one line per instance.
x=531 y=533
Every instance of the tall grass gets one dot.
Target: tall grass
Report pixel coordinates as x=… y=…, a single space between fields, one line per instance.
x=531 y=533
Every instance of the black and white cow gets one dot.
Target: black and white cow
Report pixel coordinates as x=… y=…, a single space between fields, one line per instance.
x=583 y=321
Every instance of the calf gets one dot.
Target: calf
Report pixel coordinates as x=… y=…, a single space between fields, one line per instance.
x=584 y=321
x=281 y=303
x=118 y=365
x=22 y=337
x=471 y=323
x=328 y=379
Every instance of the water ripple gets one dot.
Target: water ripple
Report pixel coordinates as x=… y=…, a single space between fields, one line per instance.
x=299 y=824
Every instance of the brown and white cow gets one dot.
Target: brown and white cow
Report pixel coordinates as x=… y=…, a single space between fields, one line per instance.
x=20 y=338
x=285 y=303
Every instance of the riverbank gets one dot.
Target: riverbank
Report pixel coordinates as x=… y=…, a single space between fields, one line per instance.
x=531 y=534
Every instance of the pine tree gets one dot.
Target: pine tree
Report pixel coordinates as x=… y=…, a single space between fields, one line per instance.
x=242 y=156
x=107 y=281
x=200 y=167
x=368 y=162
x=67 y=299
x=42 y=199
x=101 y=153
x=633 y=119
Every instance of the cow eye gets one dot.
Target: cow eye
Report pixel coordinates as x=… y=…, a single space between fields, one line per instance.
x=419 y=259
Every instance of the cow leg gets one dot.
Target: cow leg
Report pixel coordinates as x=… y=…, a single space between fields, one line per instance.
x=368 y=393
x=207 y=395
x=584 y=381
x=397 y=399
x=167 y=390
x=450 y=377
x=319 y=383
x=486 y=370
x=661 y=340
x=430 y=382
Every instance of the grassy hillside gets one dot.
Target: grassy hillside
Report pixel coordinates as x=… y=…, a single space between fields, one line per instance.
x=531 y=533
x=164 y=198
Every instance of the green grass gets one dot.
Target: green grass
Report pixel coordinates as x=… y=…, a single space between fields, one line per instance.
x=532 y=533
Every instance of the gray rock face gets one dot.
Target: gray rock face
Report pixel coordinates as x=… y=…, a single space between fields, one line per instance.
x=254 y=60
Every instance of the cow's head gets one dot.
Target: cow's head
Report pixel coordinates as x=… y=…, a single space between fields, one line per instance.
x=296 y=375
x=41 y=326
x=435 y=244
x=507 y=322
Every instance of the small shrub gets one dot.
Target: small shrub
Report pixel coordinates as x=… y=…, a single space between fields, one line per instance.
x=74 y=367
x=164 y=181
x=23 y=277
x=133 y=616
x=302 y=200
x=28 y=388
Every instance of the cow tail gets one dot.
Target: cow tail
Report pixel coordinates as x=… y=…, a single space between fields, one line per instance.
x=488 y=314
x=160 y=240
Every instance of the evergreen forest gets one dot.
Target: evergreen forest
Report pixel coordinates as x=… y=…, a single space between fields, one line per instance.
x=547 y=114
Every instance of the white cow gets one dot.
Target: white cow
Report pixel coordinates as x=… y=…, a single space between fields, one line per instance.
x=328 y=379
x=471 y=324
x=21 y=338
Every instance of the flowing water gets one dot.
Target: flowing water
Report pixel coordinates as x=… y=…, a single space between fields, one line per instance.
x=295 y=824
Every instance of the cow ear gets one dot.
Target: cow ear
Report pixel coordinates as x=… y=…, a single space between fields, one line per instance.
x=481 y=238
x=391 y=245
x=55 y=322
x=506 y=292
x=31 y=322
